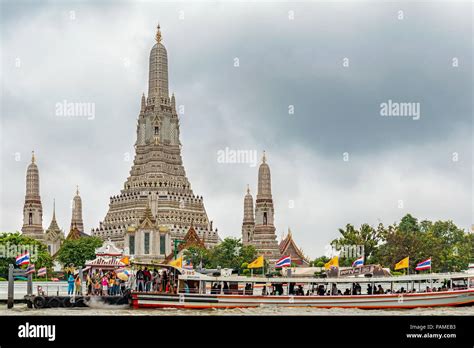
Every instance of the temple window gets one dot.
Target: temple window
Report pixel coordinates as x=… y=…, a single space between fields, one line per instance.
x=131 y=244
x=30 y=219
x=265 y=218
x=162 y=244
x=157 y=130
x=146 y=246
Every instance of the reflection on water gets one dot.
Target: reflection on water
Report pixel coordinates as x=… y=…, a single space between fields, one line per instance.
x=98 y=308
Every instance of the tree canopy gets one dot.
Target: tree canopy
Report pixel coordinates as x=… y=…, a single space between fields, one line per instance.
x=78 y=251
x=450 y=247
x=44 y=259
x=231 y=253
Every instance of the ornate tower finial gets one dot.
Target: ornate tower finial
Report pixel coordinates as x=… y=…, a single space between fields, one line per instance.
x=264 y=157
x=54 y=208
x=248 y=189
x=32 y=157
x=158 y=34
x=77 y=190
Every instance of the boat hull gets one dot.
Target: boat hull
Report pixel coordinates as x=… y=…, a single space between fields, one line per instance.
x=206 y=301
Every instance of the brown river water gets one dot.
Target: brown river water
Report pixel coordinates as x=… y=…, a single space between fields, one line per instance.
x=113 y=310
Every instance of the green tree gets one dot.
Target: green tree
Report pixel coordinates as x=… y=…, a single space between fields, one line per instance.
x=366 y=236
x=448 y=246
x=197 y=255
x=78 y=251
x=231 y=253
x=319 y=262
x=44 y=259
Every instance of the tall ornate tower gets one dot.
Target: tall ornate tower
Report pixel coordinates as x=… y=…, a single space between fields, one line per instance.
x=264 y=237
x=32 y=210
x=76 y=219
x=157 y=176
x=248 y=225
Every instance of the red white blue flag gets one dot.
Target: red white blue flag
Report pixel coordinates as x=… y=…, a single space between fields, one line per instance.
x=284 y=261
x=23 y=259
x=187 y=264
x=359 y=262
x=30 y=268
x=424 y=265
x=42 y=272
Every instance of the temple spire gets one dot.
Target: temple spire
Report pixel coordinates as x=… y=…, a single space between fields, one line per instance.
x=76 y=220
x=32 y=208
x=158 y=37
x=158 y=73
x=54 y=208
x=264 y=157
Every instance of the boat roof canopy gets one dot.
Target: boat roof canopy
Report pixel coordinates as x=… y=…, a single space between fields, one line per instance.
x=397 y=279
x=153 y=265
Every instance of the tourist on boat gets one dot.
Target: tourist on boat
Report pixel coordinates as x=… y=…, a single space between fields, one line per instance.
x=264 y=290
x=226 y=288
x=98 y=285
x=140 y=280
x=89 y=284
x=334 y=289
x=155 y=280
x=380 y=290
x=147 y=279
x=369 y=289
x=105 y=284
x=70 y=282
x=347 y=292
x=164 y=280
x=401 y=291
x=78 y=285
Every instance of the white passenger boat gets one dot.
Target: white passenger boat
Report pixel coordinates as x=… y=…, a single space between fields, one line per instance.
x=195 y=290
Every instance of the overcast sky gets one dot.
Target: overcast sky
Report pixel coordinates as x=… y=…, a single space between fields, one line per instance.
x=288 y=54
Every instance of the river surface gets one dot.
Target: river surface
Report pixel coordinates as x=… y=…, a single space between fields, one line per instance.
x=99 y=308
x=104 y=309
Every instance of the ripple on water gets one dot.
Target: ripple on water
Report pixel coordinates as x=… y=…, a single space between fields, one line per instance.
x=104 y=309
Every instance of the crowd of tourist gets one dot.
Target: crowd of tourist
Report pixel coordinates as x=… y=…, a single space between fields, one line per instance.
x=161 y=281
x=98 y=283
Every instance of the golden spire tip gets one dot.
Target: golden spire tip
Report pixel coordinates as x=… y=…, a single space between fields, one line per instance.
x=158 y=34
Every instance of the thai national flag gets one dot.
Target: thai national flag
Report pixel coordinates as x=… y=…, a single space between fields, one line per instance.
x=42 y=272
x=359 y=262
x=187 y=264
x=423 y=265
x=23 y=259
x=30 y=268
x=285 y=261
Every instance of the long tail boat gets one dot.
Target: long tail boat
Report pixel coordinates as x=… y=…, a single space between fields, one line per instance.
x=195 y=290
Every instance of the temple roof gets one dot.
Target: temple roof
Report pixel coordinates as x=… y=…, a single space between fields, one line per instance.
x=76 y=234
x=101 y=262
x=147 y=220
x=190 y=239
x=287 y=245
